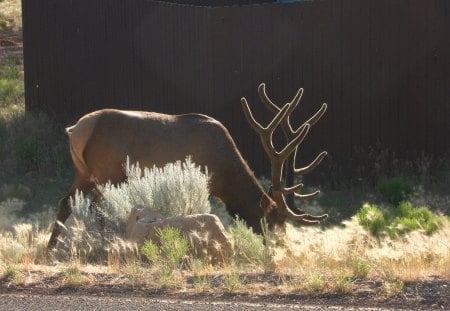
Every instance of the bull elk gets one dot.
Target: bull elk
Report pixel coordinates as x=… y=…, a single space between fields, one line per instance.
x=101 y=141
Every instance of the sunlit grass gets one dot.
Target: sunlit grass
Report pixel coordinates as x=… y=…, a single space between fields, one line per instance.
x=353 y=252
x=11 y=14
x=310 y=260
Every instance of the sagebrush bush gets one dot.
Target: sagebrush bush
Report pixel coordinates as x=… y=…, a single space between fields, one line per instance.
x=177 y=189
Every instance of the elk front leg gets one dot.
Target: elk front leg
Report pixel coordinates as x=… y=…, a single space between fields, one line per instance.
x=99 y=214
x=65 y=210
x=63 y=213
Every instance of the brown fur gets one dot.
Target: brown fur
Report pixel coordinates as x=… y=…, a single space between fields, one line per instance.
x=100 y=142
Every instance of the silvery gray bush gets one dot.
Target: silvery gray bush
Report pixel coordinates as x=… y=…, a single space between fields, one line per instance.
x=179 y=188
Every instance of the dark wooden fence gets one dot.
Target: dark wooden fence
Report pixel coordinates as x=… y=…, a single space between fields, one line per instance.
x=382 y=66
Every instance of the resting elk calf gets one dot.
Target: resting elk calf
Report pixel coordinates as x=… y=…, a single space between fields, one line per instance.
x=101 y=141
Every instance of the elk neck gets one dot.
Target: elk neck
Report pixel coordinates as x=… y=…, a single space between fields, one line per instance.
x=243 y=195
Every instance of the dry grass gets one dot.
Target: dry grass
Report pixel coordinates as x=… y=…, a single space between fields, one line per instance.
x=351 y=252
x=309 y=261
x=11 y=14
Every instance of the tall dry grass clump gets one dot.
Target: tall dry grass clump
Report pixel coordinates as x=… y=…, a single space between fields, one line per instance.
x=353 y=252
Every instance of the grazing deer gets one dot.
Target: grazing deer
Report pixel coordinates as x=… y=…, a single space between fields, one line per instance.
x=101 y=141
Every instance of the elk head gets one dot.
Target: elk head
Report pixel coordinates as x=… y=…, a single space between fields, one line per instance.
x=278 y=158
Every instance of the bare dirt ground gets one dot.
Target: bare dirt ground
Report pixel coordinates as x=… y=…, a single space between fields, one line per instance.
x=432 y=293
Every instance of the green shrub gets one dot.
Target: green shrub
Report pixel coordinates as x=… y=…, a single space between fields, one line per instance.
x=372 y=218
x=395 y=190
x=400 y=220
x=408 y=218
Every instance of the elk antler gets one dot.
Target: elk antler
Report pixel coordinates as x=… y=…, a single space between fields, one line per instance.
x=277 y=159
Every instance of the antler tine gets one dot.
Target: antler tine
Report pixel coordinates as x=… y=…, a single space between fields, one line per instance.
x=285 y=124
x=266 y=100
x=292 y=189
x=311 y=166
x=316 y=117
x=306 y=196
x=256 y=125
x=304 y=219
x=293 y=144
x=265 y=133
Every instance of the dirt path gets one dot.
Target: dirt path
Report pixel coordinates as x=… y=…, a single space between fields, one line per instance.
x=433 y=294
x=35 y=302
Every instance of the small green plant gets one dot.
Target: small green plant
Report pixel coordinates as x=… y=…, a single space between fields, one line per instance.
x=395 y=190
x=201 y=280
x=360 y=268
x=267 y=257
x=343 y=283
x=150 y=251
x=72 y=274
x=170 y=251
x=393 y=287
x=249 y=247
x=313 y=283
x=134 y=272
x=232 y=280
x=173 y=247
x=12 y=273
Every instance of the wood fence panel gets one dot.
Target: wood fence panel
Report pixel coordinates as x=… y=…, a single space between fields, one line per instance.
x=382 y=66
